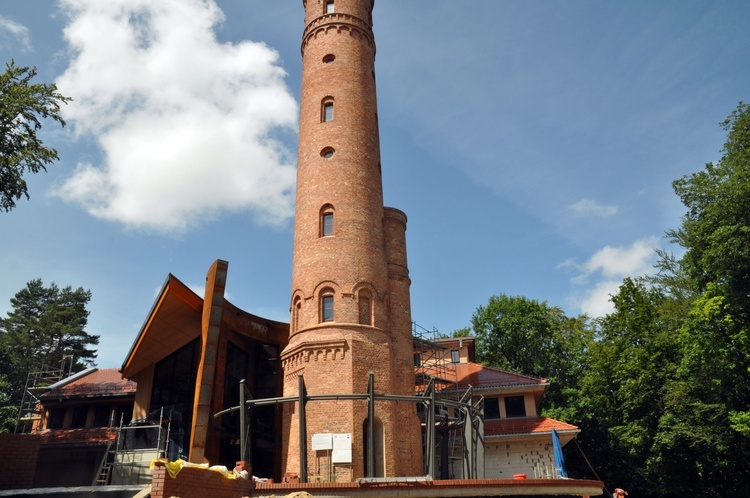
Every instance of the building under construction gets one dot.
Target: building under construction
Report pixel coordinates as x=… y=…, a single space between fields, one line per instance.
x=345 y=395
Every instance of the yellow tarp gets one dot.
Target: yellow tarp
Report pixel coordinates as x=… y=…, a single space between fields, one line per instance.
x=174 y=468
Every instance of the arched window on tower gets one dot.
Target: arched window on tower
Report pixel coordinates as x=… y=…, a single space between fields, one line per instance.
x=327 y=110
x=329 y=6
x=326 y=221
x=296 y=308
x=365 y=308
x=326 y=305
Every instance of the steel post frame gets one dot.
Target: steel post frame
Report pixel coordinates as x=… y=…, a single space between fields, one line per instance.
x=473 y=423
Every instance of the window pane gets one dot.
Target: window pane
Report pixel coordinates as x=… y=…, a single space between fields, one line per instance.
x=455 y=357
x=102 y=416
x=491 y=408
x=174 y=389
x=235 y=369
x=515 y=406
x=327 y=224
x=79 y=417
x=327 y=308
x=329 y=7
x=56 y=418
x=328 y=112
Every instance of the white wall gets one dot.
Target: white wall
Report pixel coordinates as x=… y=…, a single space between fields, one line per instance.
x=503 y=458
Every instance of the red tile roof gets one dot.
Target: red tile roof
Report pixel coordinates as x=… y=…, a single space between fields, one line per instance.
x=89 y=435
x=524 y=425
x=480 y=377
x=98 y=383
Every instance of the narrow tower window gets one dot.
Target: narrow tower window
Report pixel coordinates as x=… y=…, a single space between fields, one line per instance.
x=326 y=308
x=326 y=225
x=327 y=109
x=296 y=307
x=326 y=220
x=365 y=308
x=328 y=59
x=329 y=7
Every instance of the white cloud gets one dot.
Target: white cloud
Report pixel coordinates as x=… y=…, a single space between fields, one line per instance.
x=14 y=34
x=596 y=300
x=188 y=127
x=603 y=273
x=589 y=207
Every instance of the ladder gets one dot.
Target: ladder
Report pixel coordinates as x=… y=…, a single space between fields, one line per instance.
x=101 y=478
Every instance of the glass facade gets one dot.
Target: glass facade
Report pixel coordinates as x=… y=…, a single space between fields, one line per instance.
x=174 y=390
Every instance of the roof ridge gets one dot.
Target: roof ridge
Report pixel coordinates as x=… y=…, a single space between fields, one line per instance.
x=72 y=378
x=508 y=372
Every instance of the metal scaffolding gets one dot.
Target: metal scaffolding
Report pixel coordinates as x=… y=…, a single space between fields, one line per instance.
x=470 y=420
x=37 y=382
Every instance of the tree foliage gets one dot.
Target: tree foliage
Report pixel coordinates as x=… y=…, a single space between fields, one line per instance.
x=8 y=412
x=709 y=400
x=665 y=402
x=527 y=336
x=715 y=231
x=621 y=395
x=23 y=105
x=662 y=393
x=45 y=324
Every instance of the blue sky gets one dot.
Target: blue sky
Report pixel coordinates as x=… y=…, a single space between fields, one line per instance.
x=532 y=145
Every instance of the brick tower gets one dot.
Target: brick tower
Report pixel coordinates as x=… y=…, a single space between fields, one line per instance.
x=350 y=307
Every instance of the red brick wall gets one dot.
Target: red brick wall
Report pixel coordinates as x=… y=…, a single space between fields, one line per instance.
x=18 y=454
x=197 y=482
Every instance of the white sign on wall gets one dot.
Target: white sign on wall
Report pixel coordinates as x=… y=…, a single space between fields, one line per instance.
x=342 y=448
x=323 y=441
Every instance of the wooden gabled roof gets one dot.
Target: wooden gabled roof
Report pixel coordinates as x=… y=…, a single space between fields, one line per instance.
x=174 y=320
x=177 y=317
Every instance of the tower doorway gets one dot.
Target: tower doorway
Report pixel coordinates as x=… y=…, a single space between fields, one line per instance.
x=379 y=441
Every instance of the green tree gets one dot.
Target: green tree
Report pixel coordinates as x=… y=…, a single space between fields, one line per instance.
x=8 y=412
x=665 y=401
x=45 y=324
x=23 y=105
x=462 y=332
x=622 y=394
x=527 y=336
x=662 y=395
x=706 y=425
x=701 y=442
x=715 y=231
